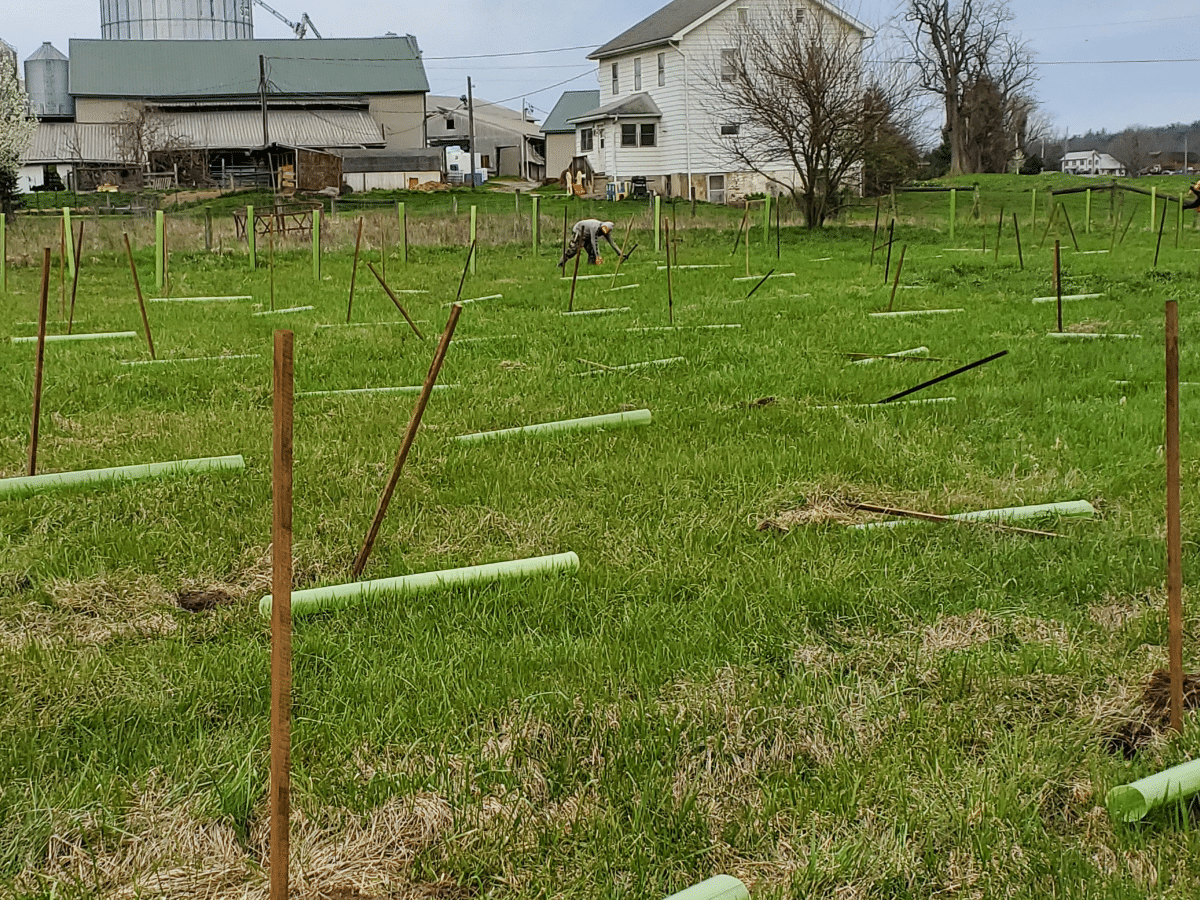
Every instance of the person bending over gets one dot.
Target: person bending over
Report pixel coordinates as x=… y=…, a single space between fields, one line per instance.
x=586 y=236
x=1195 y=201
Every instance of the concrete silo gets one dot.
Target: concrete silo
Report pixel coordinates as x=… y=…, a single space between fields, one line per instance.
x=176 y=20
x=46 y=74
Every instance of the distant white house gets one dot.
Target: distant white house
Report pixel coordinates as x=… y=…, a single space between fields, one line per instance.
x=658 y=114
x=1091 y=162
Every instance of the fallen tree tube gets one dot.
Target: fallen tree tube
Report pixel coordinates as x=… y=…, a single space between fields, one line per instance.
x=1131 y=802
x=680 y=327
x=199 y=299
x=28 y=485
x=597 y=312
x=918 y=402
x=1073 y=508
x=1087 y=335
x=631 y=366
x=899 y=354
x=914 y=312
x=719 y=887
x=589 y=423
x=186 y=359
x=406 y=389
x=1066 y=297
x=339 y=596
x=106 y=335
x=280 y=312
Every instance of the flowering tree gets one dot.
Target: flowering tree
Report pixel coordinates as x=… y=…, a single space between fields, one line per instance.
x=16 y=129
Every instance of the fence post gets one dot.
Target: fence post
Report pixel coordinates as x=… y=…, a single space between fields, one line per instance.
x=402 y=217
x=250 y=235
x=159 y=227
x=316 y=243
x=534 y=221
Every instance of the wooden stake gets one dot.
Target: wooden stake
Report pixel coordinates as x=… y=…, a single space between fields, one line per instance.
x=1132 y=216
x=896 y=283
x=940 y=378
x=281 y=617
x=887 y=269
x=466 y=266
x=622 y=256
x=1162 y=221
x=387 y=290
x=574 y=278
x=933 y=517
x=1049 y=223
x=75 y=280
x=747 y=249
x=38 y=362
x=1174 y=533
x=999 y=229
x=141 y=302
x=1058 y=284
x=1017 y=232
x=760 y=283
x=1070 y=227
x=354 y=269
x=738 y=237
x=62 y=266
x=670 y=295
x=778 y=228
x=875 y=230
x=383 y=236
x=410 y=435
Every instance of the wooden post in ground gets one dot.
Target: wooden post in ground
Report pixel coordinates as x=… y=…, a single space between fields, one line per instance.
x=141 y=301
x=534 y=221
x=251 y=236
x=75 y=280
x=999 y=229
x=38 y=363
x=208 y=228
x=62 y=267
x=281 y=617
x=887 y=269
x=316 y=243
x=1162 y=221
x=896 y=283
x=463 y=279
x=410 y=435
x=741 y=227
x=354 y=269
x=670 y=293
x=875 y=230
x=159 y=236
x=402 y=216
x=1058 y=283
x=574 y=278
x=1174 y=534
x=387 y=290
x=474 y=221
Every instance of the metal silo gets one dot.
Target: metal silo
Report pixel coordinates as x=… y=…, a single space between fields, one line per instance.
x=176 y=20
x=46 y=73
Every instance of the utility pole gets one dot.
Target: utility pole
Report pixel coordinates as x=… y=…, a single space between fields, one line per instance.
x=262 y=96
x=471 y=128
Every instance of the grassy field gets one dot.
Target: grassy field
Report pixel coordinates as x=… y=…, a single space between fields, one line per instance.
x=735 y=680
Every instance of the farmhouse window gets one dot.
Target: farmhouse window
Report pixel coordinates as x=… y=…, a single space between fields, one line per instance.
x=730 y=129
x=629 y=136
x=648 y=134
x=637 y=74
x=743 y=15
x=616 y=80
x=662 y=69
x=729 y=65
x=449 y=122
x=485 y=161
x=586 y=139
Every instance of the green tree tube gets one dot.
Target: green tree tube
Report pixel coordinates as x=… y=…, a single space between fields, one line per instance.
x=533 y=221
x=719 y=887
x=69 y=234
x=589 y=423
x=28 y=485
x=1131 y=802
x=953 y=204
x=402 y=215
x=657 y=223
x=32 y=339
x=340 y=596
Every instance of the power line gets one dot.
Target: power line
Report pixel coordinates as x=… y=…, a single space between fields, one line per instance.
x=1109 y=62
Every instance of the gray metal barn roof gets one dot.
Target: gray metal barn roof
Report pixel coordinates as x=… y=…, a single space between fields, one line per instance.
x=215 y=69
x=391 y=160
x=634 y=105
x=569 y=105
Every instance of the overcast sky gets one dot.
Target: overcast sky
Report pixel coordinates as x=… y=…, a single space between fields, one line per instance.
x=1077 y=97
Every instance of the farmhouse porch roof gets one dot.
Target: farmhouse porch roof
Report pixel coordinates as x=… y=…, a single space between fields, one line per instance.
x=642 y=105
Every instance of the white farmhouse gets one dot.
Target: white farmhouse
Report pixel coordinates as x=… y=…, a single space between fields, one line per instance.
x=1091 y=162
x=659 y=114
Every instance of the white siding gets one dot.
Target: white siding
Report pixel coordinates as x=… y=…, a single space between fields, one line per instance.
x=689 y=137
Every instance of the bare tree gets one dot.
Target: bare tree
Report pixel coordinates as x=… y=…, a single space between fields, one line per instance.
x=1132 y=148
x=16 y=130
x=144 y=136
x=964 y=48
x=801 y=110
